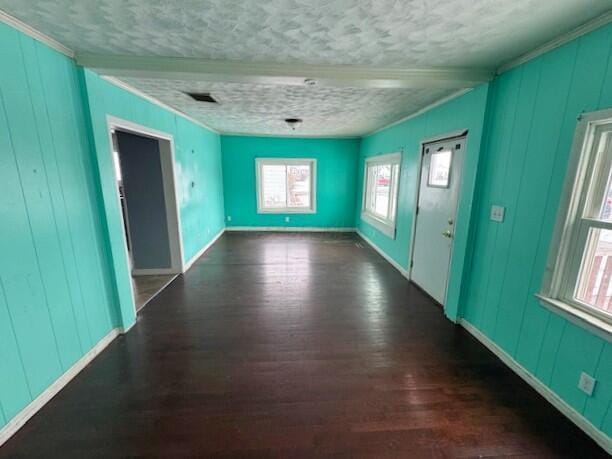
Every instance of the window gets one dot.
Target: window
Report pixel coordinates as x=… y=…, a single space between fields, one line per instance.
x=579 y=275
x=439 y=169
x=381 y=182
x=286 y=185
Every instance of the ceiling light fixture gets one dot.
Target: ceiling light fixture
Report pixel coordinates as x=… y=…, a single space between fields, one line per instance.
x=310 y=82
x=293 y=123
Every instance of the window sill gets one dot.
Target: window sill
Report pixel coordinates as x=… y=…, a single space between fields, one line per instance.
x=386 y=228
x=581 y=318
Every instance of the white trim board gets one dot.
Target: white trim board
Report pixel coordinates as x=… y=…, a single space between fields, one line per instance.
x=557 y=42
x=126 y=87
x=291 y=229
x=597 y=435
x=35 y=34
x=36 y=405
x=420 y=112
x=393 y=263
x=195 y=258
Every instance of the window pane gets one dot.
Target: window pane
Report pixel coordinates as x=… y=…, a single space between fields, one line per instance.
x=394 y=192
x=605 y=212
x=439 y=169
x=371 y=188
x=383 y=186
x=594 y=286
x=298 y=183
x=274 y=186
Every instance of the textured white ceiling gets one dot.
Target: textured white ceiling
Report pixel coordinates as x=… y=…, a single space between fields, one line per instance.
x=464 y=33
x=261 y=109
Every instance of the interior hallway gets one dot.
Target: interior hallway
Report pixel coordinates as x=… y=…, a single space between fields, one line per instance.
x=296 y=345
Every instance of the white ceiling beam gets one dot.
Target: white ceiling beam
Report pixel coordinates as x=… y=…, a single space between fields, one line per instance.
x=193 y=69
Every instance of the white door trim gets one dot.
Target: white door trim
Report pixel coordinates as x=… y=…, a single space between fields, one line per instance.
x=434 y=139
x=173 y=218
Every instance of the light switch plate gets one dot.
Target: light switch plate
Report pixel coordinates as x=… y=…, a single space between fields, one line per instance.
x=586 y=383
x=229 y=218
x=497 y=213
x=287 y=219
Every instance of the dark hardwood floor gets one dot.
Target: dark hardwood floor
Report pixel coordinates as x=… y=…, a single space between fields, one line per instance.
x=291 y=345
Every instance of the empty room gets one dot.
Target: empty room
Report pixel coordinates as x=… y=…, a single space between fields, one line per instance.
x=306 y=228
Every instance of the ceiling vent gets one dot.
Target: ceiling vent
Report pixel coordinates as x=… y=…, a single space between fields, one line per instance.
x=202 y=97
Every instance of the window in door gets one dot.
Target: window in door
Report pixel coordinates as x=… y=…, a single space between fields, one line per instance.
x=381 y=183
x=581 y=260
x=286 y=185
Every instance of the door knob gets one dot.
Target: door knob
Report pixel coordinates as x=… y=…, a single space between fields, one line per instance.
x=450 y=221
x=447 y=234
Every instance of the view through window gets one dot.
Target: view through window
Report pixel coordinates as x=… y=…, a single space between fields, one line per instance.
x=380 y=191
x=285 y=185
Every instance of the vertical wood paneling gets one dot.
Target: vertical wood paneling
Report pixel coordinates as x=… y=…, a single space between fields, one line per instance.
x=524 y=170
x=523 y=269
x=52 y=279
x=504 y=92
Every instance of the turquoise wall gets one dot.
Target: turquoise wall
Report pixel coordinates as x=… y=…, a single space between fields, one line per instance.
x=197 y=161
x=465 y=112
x=531 y=125
x=64 y=282
x=56 y=294
x=336 y=179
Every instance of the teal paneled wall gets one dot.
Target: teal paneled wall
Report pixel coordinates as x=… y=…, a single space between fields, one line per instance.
x=531 y=126
x=56 y=295
x=197 y=170
x=336 y=179
x=465 y=112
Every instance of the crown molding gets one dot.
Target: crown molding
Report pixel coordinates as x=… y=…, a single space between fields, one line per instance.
x=420 y=112
x=32 y=32
x=126 y=87
x=585 y=28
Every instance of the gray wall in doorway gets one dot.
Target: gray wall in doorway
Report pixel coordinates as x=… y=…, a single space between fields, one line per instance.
x=143 y=189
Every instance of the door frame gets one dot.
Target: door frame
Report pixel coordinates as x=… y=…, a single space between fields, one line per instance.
x=171 y=198
x=438 y=138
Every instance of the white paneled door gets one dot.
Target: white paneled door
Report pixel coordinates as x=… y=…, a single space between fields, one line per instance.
x=437 y=205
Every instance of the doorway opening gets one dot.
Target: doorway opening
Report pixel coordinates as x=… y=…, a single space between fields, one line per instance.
x=436 y=208
x=145 y=186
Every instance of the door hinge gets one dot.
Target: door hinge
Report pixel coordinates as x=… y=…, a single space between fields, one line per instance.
x=417 y=210
x=411 y=263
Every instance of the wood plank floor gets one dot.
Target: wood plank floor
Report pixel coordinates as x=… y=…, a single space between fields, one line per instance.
x=292 y=345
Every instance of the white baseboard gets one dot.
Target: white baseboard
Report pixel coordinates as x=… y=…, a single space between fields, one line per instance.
x=292 y=229
x=600 y=437
x=24 y=415
x=394 y=263
x=193 y=259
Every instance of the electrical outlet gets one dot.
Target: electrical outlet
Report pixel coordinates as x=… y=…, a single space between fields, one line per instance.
x=229 y=218
x=586 y=383
x=497 y=213
x=287 y=219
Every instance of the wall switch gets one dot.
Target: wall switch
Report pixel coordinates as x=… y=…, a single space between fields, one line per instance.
x=497 y=213
x=586 y=383
x=229 y=218
x=287 y=219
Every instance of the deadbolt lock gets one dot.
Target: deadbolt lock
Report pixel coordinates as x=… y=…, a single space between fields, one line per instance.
x=447 y=234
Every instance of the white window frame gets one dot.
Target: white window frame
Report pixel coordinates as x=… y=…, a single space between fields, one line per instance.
x=574 y=219
x=386 y=226
x=312 y=162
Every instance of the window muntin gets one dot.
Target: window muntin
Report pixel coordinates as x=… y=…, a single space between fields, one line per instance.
x=381 y=182
x=581 y=265
x=286 y=185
